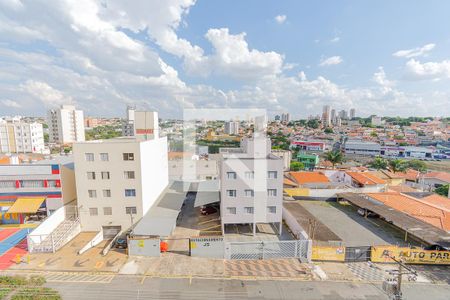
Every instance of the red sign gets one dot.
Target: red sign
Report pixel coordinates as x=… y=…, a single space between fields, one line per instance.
x=144 y=131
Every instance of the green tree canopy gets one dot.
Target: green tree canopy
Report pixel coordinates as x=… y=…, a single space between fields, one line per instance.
x=417 y=165
x=442 y=190
x=334 y=157
x=398 y=165
x=297 y=166
x=379 y=163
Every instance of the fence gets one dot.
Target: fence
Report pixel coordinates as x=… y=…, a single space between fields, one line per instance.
x=380 y=254
x=268 y=250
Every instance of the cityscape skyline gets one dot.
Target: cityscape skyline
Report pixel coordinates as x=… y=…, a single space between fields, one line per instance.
x=208 y=54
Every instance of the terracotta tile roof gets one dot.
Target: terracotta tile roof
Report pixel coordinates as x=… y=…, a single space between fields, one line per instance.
x=309 y=177
x=443 y=176
x=4 y=160
x=410 y=174
x=402 y=188
x=366 y=178
x=287 y=181
x=388 y=174
x=438 y=200
x=433 y=214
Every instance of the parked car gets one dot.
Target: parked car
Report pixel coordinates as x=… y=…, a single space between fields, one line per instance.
x=370 y=214
x=208 y=210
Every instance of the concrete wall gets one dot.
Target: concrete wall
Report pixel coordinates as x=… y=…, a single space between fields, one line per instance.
x=154 y=171
x=294 y=226
x=69 y=191
x=144 y=247
x=212 y=247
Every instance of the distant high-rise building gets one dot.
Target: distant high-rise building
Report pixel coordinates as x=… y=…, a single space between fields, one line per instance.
x=18 y=136
x=352 y=113
x=277 y=118
x=333 y=116
x=343 y=115
x=232 y=127
x=326 y=116
x=66 y=125
x=141 y=124
x=285 y=117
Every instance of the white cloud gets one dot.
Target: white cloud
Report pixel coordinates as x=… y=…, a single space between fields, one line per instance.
x=415 y=52
x=333 y=60
x=381 y=79
x=10 y=103
x=93 y=62
x=280 y=19
x=335 y=39
x=48 y=95
x=429 y=70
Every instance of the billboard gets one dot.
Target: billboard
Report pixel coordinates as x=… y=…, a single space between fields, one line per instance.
x=410 y=256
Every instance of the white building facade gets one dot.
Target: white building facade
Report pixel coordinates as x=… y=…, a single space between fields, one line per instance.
x=141 y=124
x=17 y=136
x=251 y=181
x=118 y=180
x=66 y=125
x=232 y=127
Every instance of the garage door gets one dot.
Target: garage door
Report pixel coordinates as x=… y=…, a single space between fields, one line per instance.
x=110 y=231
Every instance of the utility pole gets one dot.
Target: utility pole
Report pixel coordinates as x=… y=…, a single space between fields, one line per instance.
x=393 y=286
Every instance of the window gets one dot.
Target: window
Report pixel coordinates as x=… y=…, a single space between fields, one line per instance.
x=128 y=156
x=249 y=175
x=107 y=211
x=231 y=193
x=93 y=211
x=249 y=193
x=130 y=193
x=105 y=175
x=272 y=209
x=92 y=193
x=271 y=192
x=106 y=193
x=231 y=210
x=248 y=210
x=128 y=174
x=231 y=175
x=91 y=175
x=89 y=156
x=7 y=184
x=104 y=157
x=272 y=174
x=131 y=210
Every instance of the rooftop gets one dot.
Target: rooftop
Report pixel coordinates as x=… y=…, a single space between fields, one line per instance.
x=309 y=177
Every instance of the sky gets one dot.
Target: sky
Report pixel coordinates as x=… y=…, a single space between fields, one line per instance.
x=390 y=58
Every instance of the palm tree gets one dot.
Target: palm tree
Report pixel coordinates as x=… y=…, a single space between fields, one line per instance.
x=379 y=163
x=334 y=157
x=397 y=165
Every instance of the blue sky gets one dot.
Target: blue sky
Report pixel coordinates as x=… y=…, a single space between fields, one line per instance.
x=380 y=57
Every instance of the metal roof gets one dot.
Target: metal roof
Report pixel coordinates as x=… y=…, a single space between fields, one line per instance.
x=161 y=219
x=415 y=227
x=204 y=198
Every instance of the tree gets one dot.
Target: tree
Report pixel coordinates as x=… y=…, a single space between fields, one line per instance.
x=334 y=157
x=373 y=134
x=379 y=163
x=297 y=166
x=417 y=165
x=442 y=190
x=312 y=124
x=328 y=130
x=397 y=165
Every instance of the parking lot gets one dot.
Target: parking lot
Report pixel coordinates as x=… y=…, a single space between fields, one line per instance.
x=354 y=229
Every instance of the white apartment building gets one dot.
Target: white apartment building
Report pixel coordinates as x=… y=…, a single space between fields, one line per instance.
x=66 y=125
x=17 y=136
x=285 y=117
x=326 y=115
x=232 y=127
x=141 y=124
x=118 y=180
x=251 y=181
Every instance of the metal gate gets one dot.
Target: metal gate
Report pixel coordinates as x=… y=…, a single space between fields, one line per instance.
x=357 y=253
x=110 y=232
x=268 y=249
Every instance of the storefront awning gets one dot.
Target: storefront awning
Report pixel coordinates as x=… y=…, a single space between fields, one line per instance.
x=26 y=205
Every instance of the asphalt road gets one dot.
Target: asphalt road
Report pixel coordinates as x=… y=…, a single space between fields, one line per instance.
x=126 y=287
